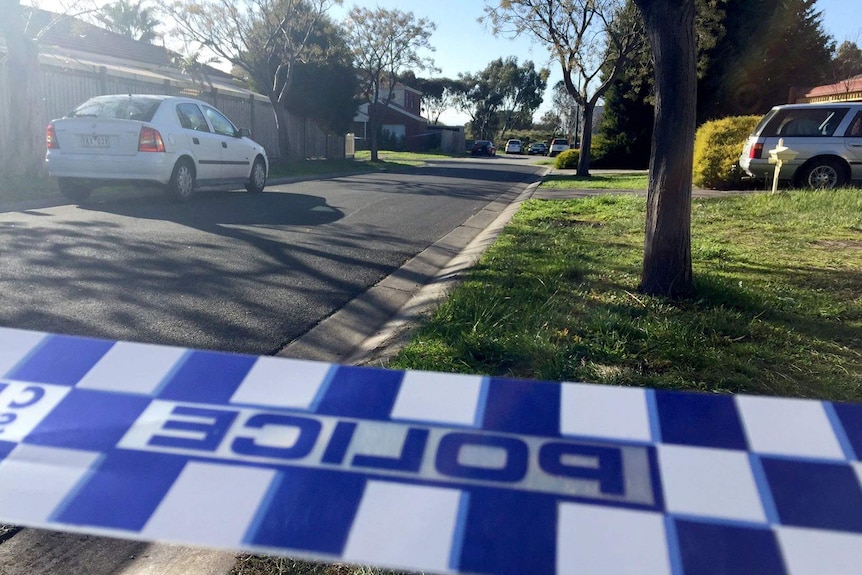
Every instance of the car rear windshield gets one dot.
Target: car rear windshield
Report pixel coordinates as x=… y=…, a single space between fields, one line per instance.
x=558 y=142
x=118 y=108
x=801 y=122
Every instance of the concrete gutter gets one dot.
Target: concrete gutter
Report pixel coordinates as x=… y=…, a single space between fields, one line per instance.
x=369 y=329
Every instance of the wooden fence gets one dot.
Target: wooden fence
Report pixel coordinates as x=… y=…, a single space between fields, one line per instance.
x=64 y=87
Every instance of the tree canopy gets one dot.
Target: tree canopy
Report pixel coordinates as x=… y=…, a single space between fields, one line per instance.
x=129 y=18
x=502 y=97
x=847 y=61
x=768 y=47
x=438 y=95
x=265 y=38
x=386 y=44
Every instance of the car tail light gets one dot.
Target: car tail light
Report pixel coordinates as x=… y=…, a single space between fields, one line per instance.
x=756 y=151
x=51 y=138
x=150 y=140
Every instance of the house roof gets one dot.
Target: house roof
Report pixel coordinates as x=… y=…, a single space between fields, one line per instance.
x=846 y=90
x=71 y=43
x=362 y=113
x=68 y=32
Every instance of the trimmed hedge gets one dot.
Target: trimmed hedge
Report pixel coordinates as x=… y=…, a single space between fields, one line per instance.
x=717 y=146
x=567 y=159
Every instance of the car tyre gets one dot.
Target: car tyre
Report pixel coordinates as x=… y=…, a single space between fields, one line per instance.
x=182 y=184
x=257 y=180
x=825 y=174
x=74 y=189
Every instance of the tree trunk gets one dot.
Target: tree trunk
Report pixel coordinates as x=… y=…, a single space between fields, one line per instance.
x=667 y=246
x=281 y=126
x=23 y=112
x=375 y=142
x=586 y=139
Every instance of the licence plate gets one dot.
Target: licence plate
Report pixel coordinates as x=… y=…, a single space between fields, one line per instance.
x=96 y=141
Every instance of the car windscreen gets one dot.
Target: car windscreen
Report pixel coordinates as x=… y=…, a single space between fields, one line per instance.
x=802 y=122
x=118 y=108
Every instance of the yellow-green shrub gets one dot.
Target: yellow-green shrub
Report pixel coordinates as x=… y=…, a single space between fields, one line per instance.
x=717 y=146
x=567 y=159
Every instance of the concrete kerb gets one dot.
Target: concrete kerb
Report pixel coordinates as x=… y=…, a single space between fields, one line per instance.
x=396 y=332
x=375 y=324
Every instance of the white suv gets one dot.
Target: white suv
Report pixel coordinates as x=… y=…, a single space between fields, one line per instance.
x=827 y=138
x=514 y=147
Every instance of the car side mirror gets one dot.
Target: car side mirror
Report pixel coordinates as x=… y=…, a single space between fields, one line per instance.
x=243 y=133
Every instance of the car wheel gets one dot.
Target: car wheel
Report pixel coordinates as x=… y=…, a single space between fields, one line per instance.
x=826 y=174
x=182 y=184
x=74 y=189
x=257 y=179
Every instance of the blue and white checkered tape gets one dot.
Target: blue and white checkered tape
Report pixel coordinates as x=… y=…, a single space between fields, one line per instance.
x=422 y=471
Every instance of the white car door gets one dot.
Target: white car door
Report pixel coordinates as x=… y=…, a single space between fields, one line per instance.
x=203 y=142
x=236 y=160
x=853 y=142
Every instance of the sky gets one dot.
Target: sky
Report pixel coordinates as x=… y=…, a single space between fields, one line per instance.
x=462 y=44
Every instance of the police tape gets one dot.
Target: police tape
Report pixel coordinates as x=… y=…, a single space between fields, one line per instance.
x=421 y=471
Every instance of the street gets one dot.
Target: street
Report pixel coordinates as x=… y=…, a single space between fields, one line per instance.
x=229 y=270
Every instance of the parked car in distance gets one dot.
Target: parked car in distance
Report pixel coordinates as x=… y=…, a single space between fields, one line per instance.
x=483 y=148
x=827 y=138
x=179 y=143
x=558 y=145
x=539 y=148
x=514 y=147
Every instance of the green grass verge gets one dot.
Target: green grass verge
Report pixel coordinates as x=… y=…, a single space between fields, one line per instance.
x=778 y=310
x=317 y=168
x=621 y=181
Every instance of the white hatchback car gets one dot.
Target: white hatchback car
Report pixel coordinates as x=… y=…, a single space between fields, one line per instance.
x=827 y=139
x=180 y=143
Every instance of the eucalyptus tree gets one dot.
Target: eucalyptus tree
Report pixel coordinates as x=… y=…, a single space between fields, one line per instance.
x=567 y=110
x=438 y=95
x=521 y=88
x=592 y=40
x=386 y=45
x=264 y=38
x=846 y=62
x=502 y=96
x=670 y=26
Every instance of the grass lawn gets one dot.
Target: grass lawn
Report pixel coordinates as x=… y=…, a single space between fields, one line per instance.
x=778 y=307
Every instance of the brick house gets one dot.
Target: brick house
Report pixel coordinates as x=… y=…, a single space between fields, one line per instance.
x=402 y=124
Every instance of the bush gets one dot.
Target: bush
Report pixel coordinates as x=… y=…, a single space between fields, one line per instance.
x=717 y=146
x=567 y=160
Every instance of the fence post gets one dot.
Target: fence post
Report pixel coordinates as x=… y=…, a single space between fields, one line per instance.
x=103 y=80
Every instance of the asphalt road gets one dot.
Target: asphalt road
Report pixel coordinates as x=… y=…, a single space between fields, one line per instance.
x=231 y=271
